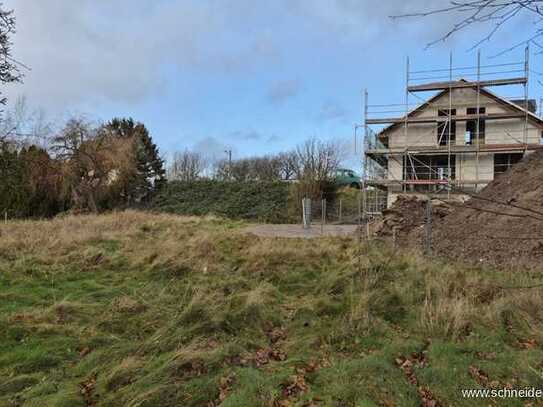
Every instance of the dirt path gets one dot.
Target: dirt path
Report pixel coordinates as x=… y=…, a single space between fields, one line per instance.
x=297 y=231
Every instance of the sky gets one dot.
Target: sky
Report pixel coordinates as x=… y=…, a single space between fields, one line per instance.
x=256 y=77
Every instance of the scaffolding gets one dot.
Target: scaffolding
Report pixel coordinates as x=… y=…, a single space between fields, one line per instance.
x=439 y=167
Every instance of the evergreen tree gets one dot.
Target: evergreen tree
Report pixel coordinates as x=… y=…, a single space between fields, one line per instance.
x=149 y=174
x=13 y=193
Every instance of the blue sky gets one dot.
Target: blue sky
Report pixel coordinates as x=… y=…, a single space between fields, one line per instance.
x=257 y=77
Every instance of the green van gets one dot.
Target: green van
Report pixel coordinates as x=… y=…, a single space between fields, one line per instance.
x=344 y=177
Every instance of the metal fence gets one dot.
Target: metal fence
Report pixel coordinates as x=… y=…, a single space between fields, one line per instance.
x=375 y=201
x=343 y=211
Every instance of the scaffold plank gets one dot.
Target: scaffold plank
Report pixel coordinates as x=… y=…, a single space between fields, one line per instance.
x=441 y=119
x=424 y=87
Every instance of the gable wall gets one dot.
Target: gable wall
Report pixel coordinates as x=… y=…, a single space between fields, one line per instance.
x=495 y=133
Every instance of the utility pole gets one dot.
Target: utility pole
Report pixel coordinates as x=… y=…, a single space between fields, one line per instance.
x=229 y=152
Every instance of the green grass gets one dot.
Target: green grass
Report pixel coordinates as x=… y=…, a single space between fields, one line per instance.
x=133 y=309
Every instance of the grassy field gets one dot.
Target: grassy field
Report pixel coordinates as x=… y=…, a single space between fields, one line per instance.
x=134 y=309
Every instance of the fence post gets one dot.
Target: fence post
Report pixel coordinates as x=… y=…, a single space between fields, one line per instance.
x=323 y=214
x=360 y=220
x=306 y=213
x=340 y=209
x=428 y=228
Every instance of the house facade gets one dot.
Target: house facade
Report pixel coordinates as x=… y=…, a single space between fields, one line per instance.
x=455 y=142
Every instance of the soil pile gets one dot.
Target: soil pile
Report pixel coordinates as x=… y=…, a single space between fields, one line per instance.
x=407 y=217
x=503 y=224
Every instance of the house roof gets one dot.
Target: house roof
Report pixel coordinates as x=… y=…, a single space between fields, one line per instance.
x=532 y=106
x=512 y=104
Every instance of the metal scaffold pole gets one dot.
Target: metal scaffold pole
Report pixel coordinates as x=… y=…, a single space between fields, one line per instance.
x=477 y=128
x=449 y=161
x=526 y=73
x=406 y=123
x=365 y=143
x=450 y=127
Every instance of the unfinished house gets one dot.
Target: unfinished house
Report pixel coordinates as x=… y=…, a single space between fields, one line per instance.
x=454 y=141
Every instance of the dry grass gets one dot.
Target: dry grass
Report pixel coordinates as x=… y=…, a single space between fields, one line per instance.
x=155 y=309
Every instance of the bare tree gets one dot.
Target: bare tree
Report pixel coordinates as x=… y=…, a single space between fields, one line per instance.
x=495 y=13
x=24 y=127
x=313 y=160
x=235 y=170
x=75 y=148
x=186 y=166
x=318 y=159
x=9 y=67
x=93 y=162
x=265 y=168
x=289 y=165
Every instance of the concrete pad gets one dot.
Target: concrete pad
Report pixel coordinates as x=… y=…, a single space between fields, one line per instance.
x=297 y=231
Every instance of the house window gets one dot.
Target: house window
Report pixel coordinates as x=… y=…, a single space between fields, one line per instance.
x=471 y=127
x=502 y=162
x=446 y=134
x=422 y=171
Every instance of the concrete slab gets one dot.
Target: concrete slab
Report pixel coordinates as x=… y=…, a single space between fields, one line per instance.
x=297 y=231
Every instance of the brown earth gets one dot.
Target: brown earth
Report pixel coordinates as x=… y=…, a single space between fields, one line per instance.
x=502 y=225
x=407 y=218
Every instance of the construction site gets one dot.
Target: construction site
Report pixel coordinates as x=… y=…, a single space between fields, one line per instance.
x=453 y=134
x=459 y=172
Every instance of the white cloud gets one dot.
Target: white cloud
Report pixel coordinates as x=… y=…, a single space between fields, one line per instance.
x=246 y=135
x=331 y=110
x=212 y=149
x=280 y=92
x=96 y=51
x=88 y=52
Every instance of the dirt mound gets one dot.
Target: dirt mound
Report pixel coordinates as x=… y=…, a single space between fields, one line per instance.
x=406 y=217
x=503 y=224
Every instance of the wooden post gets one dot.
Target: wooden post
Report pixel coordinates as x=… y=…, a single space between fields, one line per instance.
x=340 y=209
x=428 y=228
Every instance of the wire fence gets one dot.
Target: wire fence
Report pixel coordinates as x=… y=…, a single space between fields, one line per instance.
x=344 y=211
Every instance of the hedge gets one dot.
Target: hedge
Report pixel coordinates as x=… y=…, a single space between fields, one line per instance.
x=251 y=200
